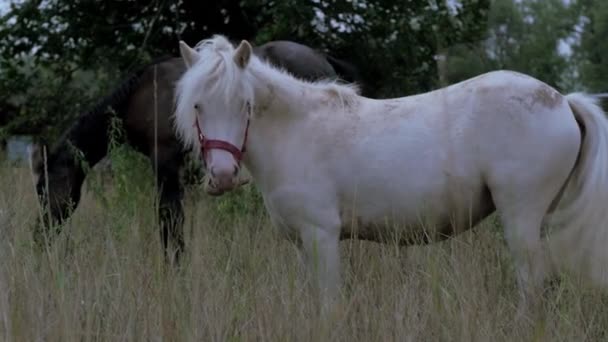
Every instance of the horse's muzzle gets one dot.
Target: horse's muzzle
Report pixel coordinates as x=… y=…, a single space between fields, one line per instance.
x=214 y=188
x=223 y=184
x=210 y=189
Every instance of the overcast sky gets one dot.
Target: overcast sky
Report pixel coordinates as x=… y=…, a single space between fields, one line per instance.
x=3 y=6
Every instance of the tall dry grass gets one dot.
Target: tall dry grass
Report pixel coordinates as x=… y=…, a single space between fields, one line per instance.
x=103 y=279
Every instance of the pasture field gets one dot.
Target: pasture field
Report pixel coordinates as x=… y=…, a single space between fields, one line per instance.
x=104 y=279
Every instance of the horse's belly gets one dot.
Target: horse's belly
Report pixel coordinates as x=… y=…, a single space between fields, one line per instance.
x=402 y=225
x=418 y=214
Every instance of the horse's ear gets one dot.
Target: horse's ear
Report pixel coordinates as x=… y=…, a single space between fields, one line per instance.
x=189 y=55
x=243 y=54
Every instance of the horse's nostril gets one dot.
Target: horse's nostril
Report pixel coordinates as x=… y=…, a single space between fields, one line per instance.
x=212 y=172
x=236 y=170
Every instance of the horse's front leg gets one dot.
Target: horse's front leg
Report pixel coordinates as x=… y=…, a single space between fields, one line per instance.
x=171 y=212
x=321 y=251
x=316 y=222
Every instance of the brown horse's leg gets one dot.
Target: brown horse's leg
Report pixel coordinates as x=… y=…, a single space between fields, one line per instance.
x=171 y=213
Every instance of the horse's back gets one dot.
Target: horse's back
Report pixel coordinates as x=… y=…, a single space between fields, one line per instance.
x=301 y=60
x=511 y=115
x=149 y=118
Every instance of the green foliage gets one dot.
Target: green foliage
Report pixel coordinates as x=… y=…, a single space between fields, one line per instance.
x=393 y=43
x=132 y=175
x=593 y=51
x=58 y=57
x=245 y=201
x=47 y=98
x=522 y=36
x=132 y=188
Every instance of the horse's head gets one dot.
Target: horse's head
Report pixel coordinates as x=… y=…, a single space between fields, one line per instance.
x=57 y=182
x=214 y=102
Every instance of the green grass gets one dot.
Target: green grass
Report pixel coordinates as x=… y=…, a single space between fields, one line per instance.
x=104 y=279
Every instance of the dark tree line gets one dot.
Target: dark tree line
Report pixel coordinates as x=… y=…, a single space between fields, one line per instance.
x=57 y=57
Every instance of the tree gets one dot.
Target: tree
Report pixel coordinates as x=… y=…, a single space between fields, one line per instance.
x=396 y=41
x=592 y=52
x=47 y=47
x=57 y=56
x=523 y=36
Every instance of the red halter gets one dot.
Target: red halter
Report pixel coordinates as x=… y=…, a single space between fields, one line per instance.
x=209 y=144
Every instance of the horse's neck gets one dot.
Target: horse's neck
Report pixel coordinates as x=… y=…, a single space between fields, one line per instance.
x=284 y=107
x=278 y=109
x=88 y=139
x=277 y=99
x=262 y=169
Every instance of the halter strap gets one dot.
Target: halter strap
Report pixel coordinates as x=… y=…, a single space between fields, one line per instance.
x=209 y=144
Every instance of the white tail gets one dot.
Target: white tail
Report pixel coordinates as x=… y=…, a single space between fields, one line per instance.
x=580 y=243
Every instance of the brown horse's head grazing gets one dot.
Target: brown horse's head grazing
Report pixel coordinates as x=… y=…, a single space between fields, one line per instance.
x=58 y=181
x=58 y=169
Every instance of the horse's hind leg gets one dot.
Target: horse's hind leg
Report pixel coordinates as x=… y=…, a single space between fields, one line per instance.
x=522 y=203
x=171 y=213
x=522 y=234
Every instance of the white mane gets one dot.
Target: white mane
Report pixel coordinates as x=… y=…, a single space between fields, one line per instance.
x=215 y=74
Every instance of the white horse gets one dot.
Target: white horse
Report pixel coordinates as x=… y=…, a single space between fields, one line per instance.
x=331 y=164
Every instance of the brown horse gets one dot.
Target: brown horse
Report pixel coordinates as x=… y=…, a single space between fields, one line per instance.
x=146 y=93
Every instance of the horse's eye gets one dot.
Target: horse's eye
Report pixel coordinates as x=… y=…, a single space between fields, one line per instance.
x=196 y=106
